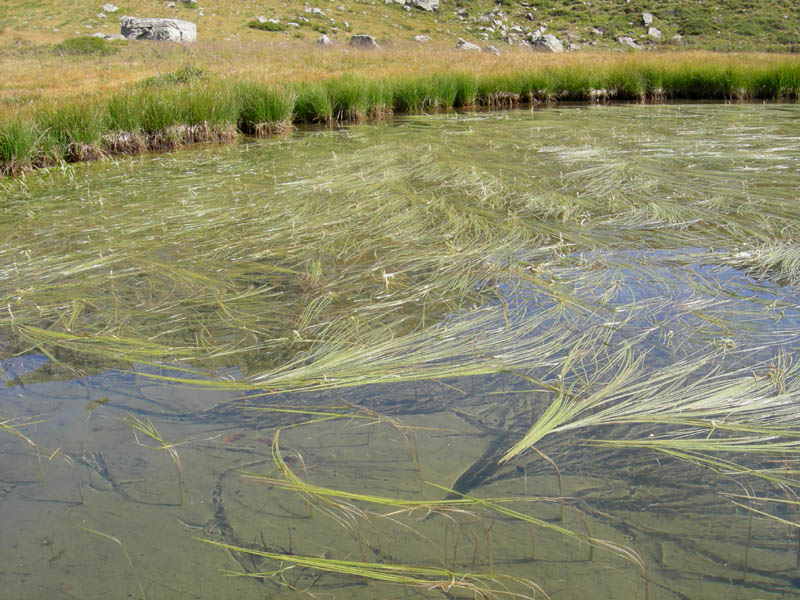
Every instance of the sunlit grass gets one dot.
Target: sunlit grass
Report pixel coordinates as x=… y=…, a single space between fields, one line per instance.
x=185 y=109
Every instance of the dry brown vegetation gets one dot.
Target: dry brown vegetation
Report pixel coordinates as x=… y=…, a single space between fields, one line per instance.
x=27 y=76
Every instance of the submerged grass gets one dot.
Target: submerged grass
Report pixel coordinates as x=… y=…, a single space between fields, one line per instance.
x=646 y=295
x=185 y=107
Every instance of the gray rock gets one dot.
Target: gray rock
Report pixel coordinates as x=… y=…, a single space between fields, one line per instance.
x=261 y=19
x=314 y=11
x=171 y=5
x=292 y=24
x=324 y=40
x=547 y=43
x=172 y=30
x=99 y=35
x=654 y=32
x=114 y=37
x=647 y=18
x=491 y=49
x=109 y=8
x=628 y=41
x=597 y=31
x=427 y=5
x=101 y=15
x=422 y=38
x=362 y=40
x=463 y=44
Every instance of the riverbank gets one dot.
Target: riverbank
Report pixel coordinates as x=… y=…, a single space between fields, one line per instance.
x=191 y=105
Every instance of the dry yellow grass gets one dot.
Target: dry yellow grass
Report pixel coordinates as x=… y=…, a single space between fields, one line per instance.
x=27 y=75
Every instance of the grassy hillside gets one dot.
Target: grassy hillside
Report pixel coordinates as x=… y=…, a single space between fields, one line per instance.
x=745 y=25
x=42 y=61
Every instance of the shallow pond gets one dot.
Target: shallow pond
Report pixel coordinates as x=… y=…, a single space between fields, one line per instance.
x=260 y=370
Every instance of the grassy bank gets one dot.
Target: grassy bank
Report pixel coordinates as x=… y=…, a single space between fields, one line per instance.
x=185 y=107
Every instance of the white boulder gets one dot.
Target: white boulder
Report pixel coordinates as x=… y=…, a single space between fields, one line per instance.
x=172 y=30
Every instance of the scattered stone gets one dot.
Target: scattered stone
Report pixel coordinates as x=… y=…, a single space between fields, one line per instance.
x=647 y=18
x=101 y=15
x=109 y=8
x=99 y=35
x=530 y=16
x=546 y=42
x=292 y=24
x=463 y=44
x=114 y=37
x=426 y=5
x=192 y=2
x=324 y=40
x=628 y=41
x=597 y=31
x=516 y=29
x=362 y=40
x=172 y=30
x=422 y=38
x=654 y=32
x=171 y=5
x=314 y=11
x=677 y=38
x=491 y=49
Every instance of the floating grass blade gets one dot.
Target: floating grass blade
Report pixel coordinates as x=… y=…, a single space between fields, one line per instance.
x=145 y=426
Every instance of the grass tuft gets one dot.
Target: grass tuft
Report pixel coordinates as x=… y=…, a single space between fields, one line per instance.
x=85 y=46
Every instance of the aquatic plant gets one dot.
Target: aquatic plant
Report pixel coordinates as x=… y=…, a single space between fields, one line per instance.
x=145 y=427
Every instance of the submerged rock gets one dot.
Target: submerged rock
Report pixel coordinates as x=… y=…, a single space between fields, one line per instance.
x=172 y=30
x=362 y=40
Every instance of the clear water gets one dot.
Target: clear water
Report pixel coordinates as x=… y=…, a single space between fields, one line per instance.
x=73 y=527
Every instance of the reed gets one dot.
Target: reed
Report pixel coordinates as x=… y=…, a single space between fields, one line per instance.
x=313 y=104
x=484 y=585
x=145 y=427
x=127 y=556
x=187 y=106
x=13 y=426
x=264 y=109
